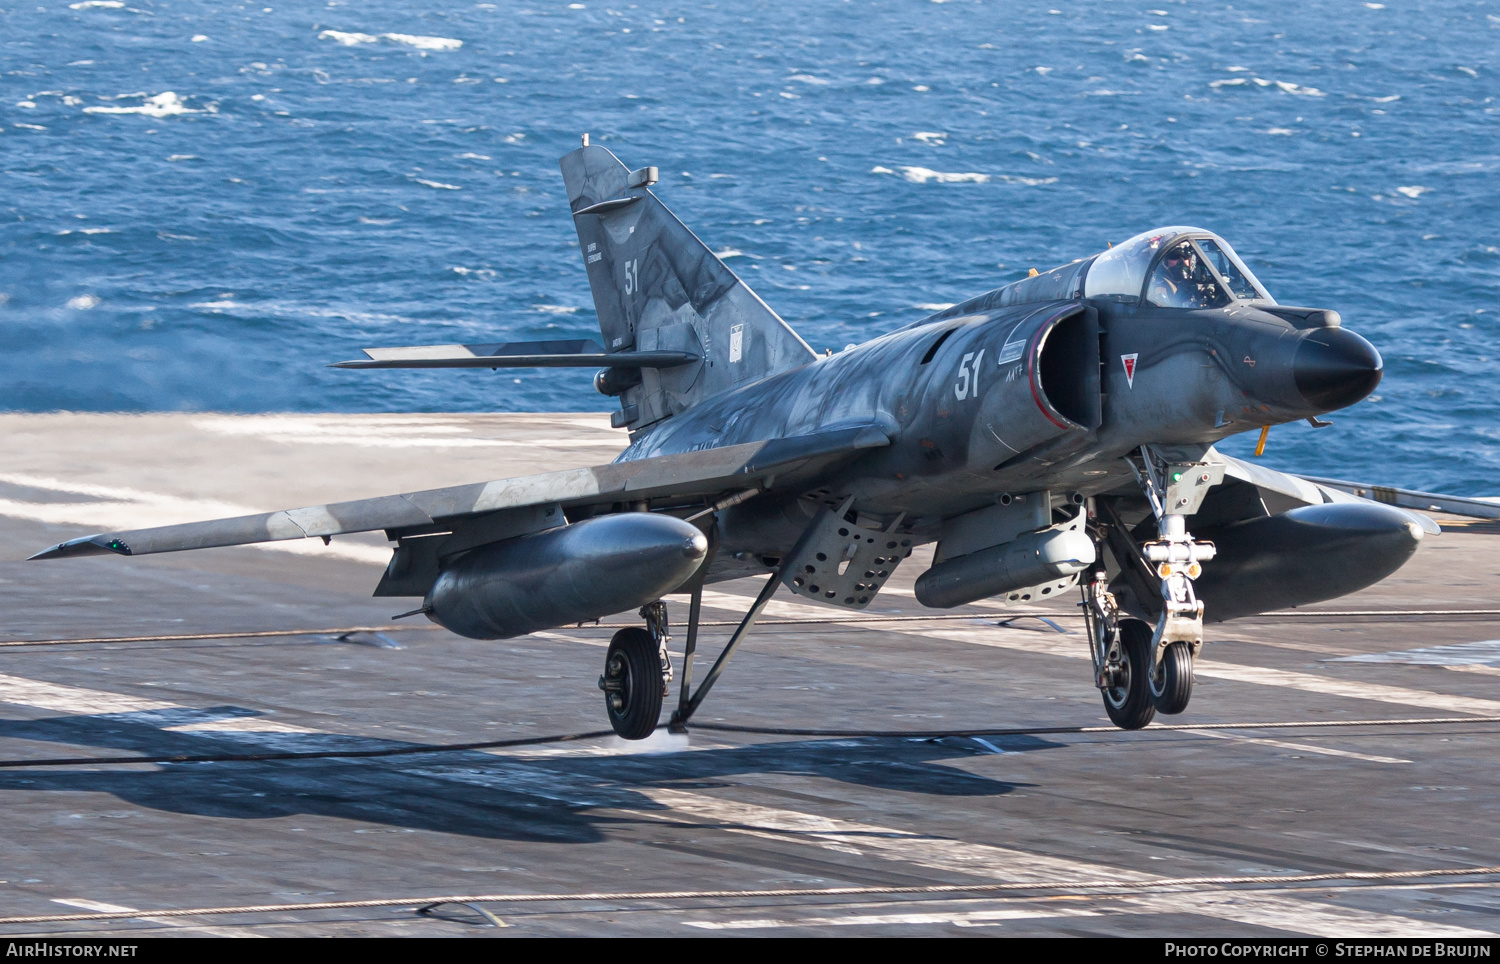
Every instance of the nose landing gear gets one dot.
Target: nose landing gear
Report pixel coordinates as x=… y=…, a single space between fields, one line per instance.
x=1143 y=671
x=1172 y=679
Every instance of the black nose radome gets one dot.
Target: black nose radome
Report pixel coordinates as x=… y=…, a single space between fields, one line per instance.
x=1335 y=367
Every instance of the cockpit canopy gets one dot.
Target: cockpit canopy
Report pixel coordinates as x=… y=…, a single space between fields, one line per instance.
x=1188 y=268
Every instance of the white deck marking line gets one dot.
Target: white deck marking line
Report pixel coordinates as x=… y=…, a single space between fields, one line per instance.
x=1299 y=747
x=1379 y=692
x=1001 y=863
x=738 y=604
x=73 y=699
x=123 y=508
x=1298 y=916
x=603 y=643
x=101 y=907
x=390 y=433
x=779 y=609
x=958 y=918
x=851 y=837
x=168 y=717
x=1073 y=648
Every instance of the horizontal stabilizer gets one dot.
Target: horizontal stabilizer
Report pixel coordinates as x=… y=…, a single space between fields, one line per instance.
x=517 y=354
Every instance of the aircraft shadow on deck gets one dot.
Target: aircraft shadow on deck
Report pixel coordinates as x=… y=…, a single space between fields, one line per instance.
x=563 y=799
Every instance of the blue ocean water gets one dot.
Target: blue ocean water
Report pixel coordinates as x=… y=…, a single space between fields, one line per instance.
x=205 y=202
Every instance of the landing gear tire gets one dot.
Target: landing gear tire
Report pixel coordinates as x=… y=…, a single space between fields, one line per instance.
x=1172 y=683
x=1128 y=699
x=632 y=683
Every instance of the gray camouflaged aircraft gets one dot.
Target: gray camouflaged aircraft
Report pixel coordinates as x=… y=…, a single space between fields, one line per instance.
x=1055 y=432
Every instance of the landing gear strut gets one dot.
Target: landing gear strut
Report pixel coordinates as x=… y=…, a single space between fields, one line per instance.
x=690 y=699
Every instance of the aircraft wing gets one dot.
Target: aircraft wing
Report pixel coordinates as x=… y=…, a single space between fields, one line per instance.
x=682 y=476
x=1281 y=491
x=1413 y=499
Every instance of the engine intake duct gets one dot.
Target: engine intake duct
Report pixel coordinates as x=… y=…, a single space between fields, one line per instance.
x=571 y=574
x=1033 y=558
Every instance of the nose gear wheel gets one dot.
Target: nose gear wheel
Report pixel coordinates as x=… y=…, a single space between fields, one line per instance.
x=632 y=683
x=1172 y=682
x=1127 y=695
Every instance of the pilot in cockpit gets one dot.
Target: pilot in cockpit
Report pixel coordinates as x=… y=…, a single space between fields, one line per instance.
x=1183 y=281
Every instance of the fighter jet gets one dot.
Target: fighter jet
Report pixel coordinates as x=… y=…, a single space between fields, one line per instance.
x=1052 y=433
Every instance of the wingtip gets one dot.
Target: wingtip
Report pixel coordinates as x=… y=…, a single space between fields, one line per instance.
x=95 y=545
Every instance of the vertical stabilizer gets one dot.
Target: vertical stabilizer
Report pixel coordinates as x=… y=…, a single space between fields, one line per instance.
x=657 y=287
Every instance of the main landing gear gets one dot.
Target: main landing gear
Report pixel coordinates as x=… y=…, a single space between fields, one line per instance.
x=637 y=674
x=638 y=668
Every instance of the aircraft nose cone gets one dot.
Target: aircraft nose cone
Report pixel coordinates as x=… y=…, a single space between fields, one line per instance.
x=1334 y=367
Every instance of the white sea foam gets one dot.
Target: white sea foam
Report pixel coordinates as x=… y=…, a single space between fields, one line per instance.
x=183 y=157
x=424 y=43
x=164 y=104
x=437 y=184
x=555 y=309
x=353 y=39
x=475 y=157
x=933 y=138
x=1413 y=191
x=198 y=38
x=100 y=4
x=933 y=306
x=30 y=127
x=1282 y=85
x=1283 y=131
x=921 y=175
x=83 y=302
x=728 y=253
x=808 y=79
x=349 y=39
x=1295 y=89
